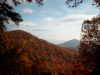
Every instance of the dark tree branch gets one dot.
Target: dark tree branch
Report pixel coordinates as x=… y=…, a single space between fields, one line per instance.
x=75 y=3
x=7 y=12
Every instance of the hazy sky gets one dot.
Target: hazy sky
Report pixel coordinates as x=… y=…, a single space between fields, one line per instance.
x=54 y=21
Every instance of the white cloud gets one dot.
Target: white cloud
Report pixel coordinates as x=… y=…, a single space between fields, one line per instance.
x=38 y=30
x=27 y=10
x=48 y=19
x=62 y=29
x=75 y=18
x=28 y=24
x=22 y=26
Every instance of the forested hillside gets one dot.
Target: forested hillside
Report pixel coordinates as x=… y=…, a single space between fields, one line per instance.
x=24 y=54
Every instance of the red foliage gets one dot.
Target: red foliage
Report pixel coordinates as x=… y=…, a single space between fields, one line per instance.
x=38 y=55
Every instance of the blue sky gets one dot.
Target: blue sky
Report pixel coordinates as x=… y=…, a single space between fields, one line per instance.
x=54 y=21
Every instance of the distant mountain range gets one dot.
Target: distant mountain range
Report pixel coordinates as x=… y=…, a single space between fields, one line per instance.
x=72 y=44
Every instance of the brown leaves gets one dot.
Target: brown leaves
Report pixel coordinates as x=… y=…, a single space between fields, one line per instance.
x=90 y=42
x=29 y=54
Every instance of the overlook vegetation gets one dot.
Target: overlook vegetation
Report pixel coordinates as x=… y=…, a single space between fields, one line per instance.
x=21 y=53
x=24 y=54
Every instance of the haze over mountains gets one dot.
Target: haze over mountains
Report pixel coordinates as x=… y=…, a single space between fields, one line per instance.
x=70 y=44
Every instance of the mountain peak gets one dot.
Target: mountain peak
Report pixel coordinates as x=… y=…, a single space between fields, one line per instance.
x=70 y=43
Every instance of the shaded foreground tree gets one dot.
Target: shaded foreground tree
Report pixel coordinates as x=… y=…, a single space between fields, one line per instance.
x=7 y=12
x=90 y=45
x=75 y=3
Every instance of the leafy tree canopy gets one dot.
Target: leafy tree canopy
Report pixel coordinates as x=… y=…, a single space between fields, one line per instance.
x=7 y=12
x=75 y=3
x=90 y=44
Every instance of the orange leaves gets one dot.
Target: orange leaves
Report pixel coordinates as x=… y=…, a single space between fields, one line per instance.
x=90 y=44
x=24 y=42
x=30 y=40
x=19 y=50
x=79 y=69
x=28 y=53
x=27 y=61
x=79 y=66
x=4 y=40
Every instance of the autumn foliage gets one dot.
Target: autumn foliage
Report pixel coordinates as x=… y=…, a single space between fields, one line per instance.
x=90 y=45
x=24 y=54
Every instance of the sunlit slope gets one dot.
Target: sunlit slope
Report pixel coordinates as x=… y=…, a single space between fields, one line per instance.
x=32 y=56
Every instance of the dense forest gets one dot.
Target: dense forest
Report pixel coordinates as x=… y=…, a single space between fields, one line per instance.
x=24 y=54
